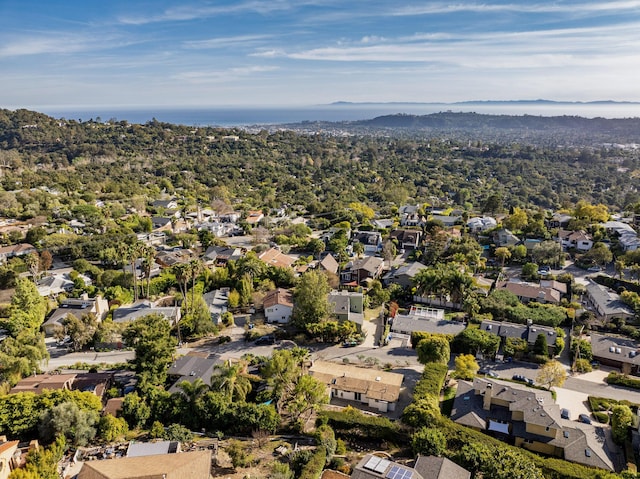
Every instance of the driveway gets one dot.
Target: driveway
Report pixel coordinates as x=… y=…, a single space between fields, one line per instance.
x=576 y=402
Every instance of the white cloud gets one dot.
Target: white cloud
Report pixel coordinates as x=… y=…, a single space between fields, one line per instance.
x=233 y=41
x=524 y=7
x=222 y=75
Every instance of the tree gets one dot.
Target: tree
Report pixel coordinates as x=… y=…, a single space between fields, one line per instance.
x=177 y=432
x=540 y=346
x=473 y=341
x=358 y=249
x=316 y=246
x=429 y=442
x=503 y=254
x=33 y=263
x=621 y=421
x=311 y=298
x=233 y=380
x=552 y=374
x=42 y=463
x=68 y=419
x=434 y=349
x=27 y=309
x=466 y=366
x=46 y=260
x=111 y=428
x=135 y=410
x=81 y=331
x=154 y=347
x=547 y=252
x=599 y=254
x=517 y=220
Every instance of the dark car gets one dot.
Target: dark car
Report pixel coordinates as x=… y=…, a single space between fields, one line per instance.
x=584 y=418
x=349 y=343
x=565 y=413
x=265 y=340
x=522 y=379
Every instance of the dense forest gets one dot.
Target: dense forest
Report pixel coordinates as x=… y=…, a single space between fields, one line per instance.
x=321 y=173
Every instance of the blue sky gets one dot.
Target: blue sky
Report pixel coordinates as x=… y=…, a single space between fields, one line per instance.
x=306 y=52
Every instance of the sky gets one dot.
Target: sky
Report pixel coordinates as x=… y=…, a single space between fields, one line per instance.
x=70 y=53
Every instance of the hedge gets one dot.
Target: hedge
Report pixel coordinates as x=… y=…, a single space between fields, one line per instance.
x=432 y=381
x=623 y=380
x=602 y=417
x=352 y=422
x=313 y=468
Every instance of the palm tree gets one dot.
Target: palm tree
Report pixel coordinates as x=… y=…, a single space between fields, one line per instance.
x=234 y=381
x=148 y=255
x=619 y=267
x=181 y=270
x=191 y=392
x=195 y=268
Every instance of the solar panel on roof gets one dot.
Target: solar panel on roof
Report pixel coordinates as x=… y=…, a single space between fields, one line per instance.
x=398 y=472
x=382 y=466
x=372 y=463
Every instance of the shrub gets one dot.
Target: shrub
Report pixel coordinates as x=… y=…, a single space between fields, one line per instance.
x=313 y=468
x=601 y=417
x=623 y=380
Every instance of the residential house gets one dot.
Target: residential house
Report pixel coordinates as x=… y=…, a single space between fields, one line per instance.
x=428 y=320
x=529 y=418
x=553 y=284
x=221 y=255
x=96 y=383
x=407 y=239
x=425 y=467
x=126 y=314
x=8 y=252
x=218 y=303
x=217 y=228
x=410 y=216
x=39 y=382
x=278 y=306
x=161 y=223
x=447 y=220
x=331 y=232
x=191 y=367
x=605 y=303
x=329 y=264
x=166 y=204
x=480 y=224
x=355 y=273
x=370 y=240
x=254 y=217
x=8 y=461
x=152 y=239
x=528 y=332
x=377 y=389
x=383 y=223
x=168 y=259
x=54 y=284
x=185 y=465
x=531 y=292
x=97 y=306
x=559 y=220
x=618 y=352
x=578 y=240
x=275 y=257
x=403 y=275
x=347 y=306
x=627 y=236
x=504 y=237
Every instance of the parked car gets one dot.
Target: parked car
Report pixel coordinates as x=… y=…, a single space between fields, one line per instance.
x=349 y=343
x=565 y=413
x=491 y=374
x=584 y=418
x=595 y=269
x=522 y=379
x=265 y=340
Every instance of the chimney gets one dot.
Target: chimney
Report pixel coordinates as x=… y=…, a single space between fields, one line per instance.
x=488 y=394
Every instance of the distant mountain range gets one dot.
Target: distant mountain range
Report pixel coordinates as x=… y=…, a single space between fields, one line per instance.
x=490 y=102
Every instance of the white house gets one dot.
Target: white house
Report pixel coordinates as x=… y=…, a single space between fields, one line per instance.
x=278 y=306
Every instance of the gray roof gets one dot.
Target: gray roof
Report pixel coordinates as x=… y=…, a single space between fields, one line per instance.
x=432 y=467
x=126 y=314
x=504 y=329
x=190 y=368
x=139 y=449
x=618 y=349
x=407 y=269
x=368 y=263
x=406 y=323
x=608 y=302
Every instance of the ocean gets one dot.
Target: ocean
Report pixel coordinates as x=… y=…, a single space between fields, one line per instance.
x=247 y=116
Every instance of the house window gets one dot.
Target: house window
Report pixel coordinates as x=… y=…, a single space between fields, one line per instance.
x=546 y=428
x=341 y=394
x=358 y=396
